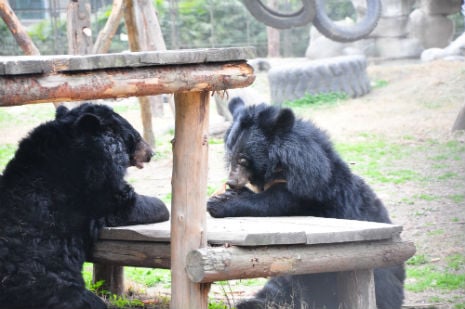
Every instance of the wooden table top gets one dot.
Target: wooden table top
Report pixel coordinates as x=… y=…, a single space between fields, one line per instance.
x=20 y=65
x=253 y=231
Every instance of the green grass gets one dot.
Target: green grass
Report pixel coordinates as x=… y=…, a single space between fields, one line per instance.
x=423 y=276
x=20 y=115
x=6 y=153
x=380 y=83
x=317 y=100
x=417 y=259
x=428 y=277
x=374 y=158
x=149 y=277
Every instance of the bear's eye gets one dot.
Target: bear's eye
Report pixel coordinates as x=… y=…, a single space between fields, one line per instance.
x=243 y=162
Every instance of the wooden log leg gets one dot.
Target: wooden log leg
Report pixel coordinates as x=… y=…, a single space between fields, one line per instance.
x=112 y=275
x=189 y=182
x=356 y=289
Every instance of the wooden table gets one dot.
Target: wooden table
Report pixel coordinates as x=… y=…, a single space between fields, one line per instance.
x=190 y=75
x=261 y=247
x=301 y=245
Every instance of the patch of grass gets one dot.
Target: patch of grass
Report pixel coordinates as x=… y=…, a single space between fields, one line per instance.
x=447 y=175
x=374 y=158
x=380 y=83
x=20 y=115
x=122 y=301
x=314 y=100
x=428 y=277
x=215 y=141
x=457 y=198
x=417 y=259
x=149 y=277
x=7 y=152
x=427 y=197
x=455 y=262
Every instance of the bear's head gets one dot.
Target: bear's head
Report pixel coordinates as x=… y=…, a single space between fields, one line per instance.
x=91 y=121
x=266 y=144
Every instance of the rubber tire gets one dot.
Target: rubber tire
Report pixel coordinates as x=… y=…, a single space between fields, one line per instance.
x=345 y=74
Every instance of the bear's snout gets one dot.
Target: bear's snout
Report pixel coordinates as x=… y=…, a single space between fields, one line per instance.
x=143 y=153
x=238 y=177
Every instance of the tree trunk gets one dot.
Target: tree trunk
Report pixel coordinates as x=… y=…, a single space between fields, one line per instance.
x=103 y=41
x=16 y=28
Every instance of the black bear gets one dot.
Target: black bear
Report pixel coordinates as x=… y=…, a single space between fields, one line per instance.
x=296 y=172
x=65 y=182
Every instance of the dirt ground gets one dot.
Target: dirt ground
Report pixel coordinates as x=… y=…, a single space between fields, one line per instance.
x=416 y=107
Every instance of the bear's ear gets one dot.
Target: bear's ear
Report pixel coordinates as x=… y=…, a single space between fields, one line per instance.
x=285 y=120
x=61 y=111
x=274 y=121
x=235 y=105
x=88 y=123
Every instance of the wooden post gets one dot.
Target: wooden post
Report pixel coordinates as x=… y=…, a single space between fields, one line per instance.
x=78 y=28
x=113 y=276
x=188 y=210
x=356 y=289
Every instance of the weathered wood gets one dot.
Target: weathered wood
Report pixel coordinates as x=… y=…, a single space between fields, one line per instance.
x=125 y=82
x=113 y=277
x=225 y=263
x=17 y=29
x=103 y=40
x=356 y=289
x=256 y=231
x=79 y=30
x=188 y=207
x=20 y=65
x=132 y=253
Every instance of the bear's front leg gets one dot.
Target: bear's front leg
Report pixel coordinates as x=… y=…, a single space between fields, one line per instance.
x=226 y=204
x=276 y=201
x=142 y=209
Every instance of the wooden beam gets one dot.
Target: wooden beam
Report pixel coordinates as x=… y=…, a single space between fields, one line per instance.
x=188 y=207
x=122 y=82
x=222 y=263
x=132 y=253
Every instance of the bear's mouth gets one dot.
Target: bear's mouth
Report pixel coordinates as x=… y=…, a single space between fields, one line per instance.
x=142 y=155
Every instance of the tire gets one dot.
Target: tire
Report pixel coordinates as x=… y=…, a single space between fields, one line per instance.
x=345 y=74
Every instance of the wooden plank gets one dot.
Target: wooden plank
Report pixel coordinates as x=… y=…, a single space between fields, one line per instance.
x=106 y=84
x=255 y=231
x=126 y=253
x=18 y=65
x=356 y=289
x=188 y=206
x=226 y=263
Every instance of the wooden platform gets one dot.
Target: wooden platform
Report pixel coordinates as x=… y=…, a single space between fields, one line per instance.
x=259 y=247
x=253 y=231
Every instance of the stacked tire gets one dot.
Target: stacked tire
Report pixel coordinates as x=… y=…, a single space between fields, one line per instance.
x=345 y=74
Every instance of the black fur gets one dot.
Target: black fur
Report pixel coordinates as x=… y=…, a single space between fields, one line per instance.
x=297 y=172
x=65 y=182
